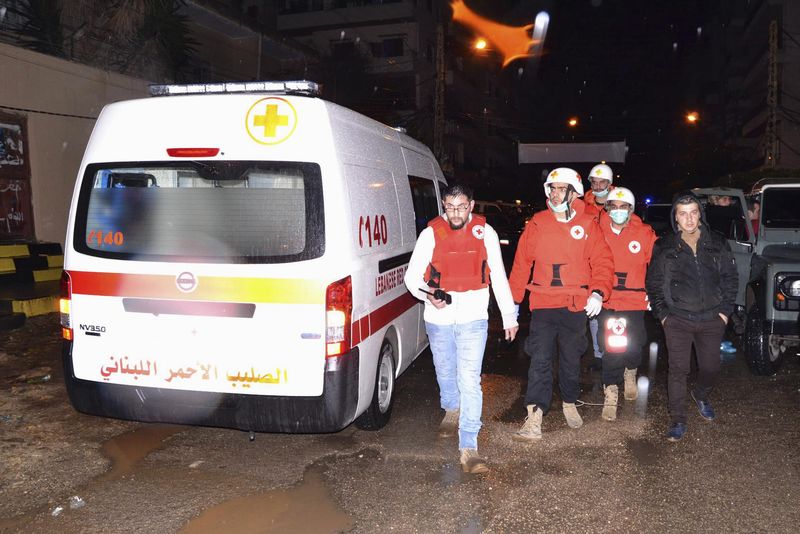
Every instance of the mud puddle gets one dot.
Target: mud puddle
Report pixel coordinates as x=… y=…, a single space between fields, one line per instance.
x=127 y=449
x=304 y=508
x=124 y=451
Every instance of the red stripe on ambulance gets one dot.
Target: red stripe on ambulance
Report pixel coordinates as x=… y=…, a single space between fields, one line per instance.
x=374 y=321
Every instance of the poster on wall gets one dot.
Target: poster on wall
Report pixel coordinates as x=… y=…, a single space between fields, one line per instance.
x=16 y=214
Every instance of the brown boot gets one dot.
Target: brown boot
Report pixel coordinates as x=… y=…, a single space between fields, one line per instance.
x=472 y=463
x=532 y=427
x=449 y=425
x=571 y=415
x=631 y=389
x=610 y=403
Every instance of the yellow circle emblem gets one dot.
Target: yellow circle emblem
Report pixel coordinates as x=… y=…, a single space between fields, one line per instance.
x=271 y=120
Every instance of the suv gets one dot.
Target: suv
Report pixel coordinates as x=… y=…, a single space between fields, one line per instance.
x=768 y=261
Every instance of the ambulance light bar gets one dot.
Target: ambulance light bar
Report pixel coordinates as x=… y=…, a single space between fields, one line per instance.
x=301 y=87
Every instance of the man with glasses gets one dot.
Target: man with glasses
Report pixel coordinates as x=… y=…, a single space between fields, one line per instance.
x=573 y=271
x=454 y=260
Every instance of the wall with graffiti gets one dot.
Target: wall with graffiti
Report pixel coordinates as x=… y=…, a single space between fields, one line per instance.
x=48 y=107
x=16 y=216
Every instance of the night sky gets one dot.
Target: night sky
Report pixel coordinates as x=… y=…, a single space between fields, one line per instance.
x=625 y=69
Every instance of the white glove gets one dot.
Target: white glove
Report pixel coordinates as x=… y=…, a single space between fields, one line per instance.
x=593 y=305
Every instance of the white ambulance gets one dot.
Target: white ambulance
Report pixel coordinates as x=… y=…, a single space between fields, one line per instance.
x=235 y=257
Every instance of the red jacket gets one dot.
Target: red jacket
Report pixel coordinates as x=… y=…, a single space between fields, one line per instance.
x=569 y=260
x=592 y=207
x=632 y=249
x=459 y=261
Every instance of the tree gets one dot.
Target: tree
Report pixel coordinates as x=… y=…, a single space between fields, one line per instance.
x=39 y=27
x=146 y=38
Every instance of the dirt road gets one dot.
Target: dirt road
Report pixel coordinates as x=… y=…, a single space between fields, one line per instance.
x=61 y=471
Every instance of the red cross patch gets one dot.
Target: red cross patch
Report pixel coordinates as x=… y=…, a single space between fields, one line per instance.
x=478 y=231
x=577 y=232
x=635 y=247
x=619 y=327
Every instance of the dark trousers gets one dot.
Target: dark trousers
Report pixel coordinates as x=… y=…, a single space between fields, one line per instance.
x=615 y=363
x=554 y=330
x=680 y=334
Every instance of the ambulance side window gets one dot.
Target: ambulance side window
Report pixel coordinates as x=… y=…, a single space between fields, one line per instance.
x=426 y=204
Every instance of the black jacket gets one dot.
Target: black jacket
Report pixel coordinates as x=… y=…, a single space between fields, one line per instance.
x=695 y=287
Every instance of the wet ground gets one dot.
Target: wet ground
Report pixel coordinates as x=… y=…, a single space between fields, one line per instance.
x=61 y=471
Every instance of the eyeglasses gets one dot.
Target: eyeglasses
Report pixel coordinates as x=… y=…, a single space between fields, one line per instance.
x=461 y=208
x=559 y=188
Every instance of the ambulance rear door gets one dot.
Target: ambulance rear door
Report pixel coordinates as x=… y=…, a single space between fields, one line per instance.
x=200 y=275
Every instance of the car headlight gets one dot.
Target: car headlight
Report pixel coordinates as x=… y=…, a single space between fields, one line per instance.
x=787 y=291
x=789 y=285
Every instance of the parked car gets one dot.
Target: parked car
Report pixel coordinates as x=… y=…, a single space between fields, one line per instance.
x=658 y=216
x=768 y=262
x=507 y=224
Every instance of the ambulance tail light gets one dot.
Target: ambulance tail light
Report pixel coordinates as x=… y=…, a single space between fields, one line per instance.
x=65 y=306
x=338 y=315
x=192 y=152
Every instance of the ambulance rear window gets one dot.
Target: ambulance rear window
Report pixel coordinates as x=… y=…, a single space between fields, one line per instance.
x=202 y=211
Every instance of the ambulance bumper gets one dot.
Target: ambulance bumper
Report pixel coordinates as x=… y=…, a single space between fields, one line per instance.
x=330 y=412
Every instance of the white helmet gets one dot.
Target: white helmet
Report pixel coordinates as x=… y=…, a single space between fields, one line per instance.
x=564 y=175
x=603 y=172
x=622 y=194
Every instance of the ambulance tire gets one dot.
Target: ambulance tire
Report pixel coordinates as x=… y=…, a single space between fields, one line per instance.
x=380 y=408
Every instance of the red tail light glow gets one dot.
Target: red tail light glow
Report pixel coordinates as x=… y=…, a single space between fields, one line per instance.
x=65 y=306
x=338 y=317
x=192 y=152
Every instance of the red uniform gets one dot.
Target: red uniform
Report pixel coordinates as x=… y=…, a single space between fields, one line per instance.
x=592 y=207
x=570 y=260
x=632 y=249
x=459 y=261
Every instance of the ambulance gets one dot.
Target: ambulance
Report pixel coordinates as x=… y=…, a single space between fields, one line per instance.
x=235 y=257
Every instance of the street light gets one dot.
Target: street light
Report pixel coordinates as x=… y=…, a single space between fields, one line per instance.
x=692 y=117
x=572 y=122
x=480 y=44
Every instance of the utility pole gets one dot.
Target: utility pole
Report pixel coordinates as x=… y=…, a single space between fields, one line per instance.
x=438 y=97
x=771 y=152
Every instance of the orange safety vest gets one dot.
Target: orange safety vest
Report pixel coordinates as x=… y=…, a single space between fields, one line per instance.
x=459 y=261
x=632 y=249
x=570 y=260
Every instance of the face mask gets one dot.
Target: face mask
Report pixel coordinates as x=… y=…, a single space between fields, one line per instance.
x=619 y=216
x=601 y=194
x=561 y=208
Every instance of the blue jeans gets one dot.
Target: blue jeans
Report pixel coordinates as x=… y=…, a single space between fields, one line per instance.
x=594 y=327
x=458 y=355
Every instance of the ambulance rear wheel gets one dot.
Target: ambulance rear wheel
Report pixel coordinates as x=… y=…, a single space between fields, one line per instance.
x=380 y=408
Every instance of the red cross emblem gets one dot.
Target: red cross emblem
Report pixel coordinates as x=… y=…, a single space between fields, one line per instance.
x=619 y=327
x=634 y=247
x=577 y=232
x=478 y=232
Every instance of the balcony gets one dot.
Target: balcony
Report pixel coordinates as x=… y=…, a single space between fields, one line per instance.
x=309 y=15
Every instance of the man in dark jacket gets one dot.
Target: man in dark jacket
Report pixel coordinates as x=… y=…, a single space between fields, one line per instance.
x=691 y=285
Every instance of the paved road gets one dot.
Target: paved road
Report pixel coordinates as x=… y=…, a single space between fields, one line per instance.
x=738 y=474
